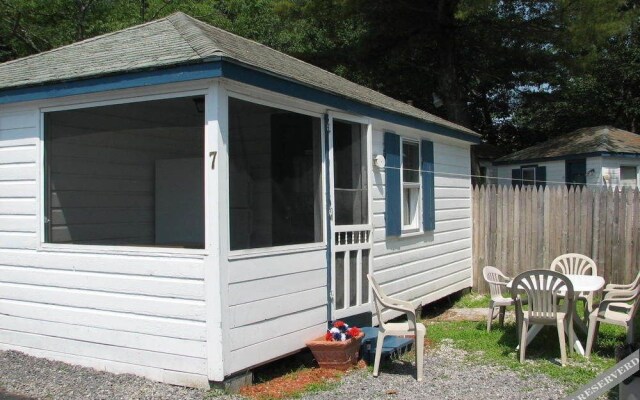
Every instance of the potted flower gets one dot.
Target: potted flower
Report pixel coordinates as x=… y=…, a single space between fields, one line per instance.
x=338 y=348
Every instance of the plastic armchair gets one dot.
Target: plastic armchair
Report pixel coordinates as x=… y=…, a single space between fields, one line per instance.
x=544 y=290
x=630 y=286
x=497 y=281
x=577 y=264
x=618 y=307
x=411 y=327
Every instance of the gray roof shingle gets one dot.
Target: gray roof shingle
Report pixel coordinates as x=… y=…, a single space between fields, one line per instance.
x=181 y=39
x=598 y=139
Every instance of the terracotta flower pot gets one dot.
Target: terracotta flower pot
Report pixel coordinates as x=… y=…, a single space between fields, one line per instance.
x=336 y=355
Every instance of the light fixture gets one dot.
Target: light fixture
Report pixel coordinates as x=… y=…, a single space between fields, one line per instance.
x=379 y=161
x=591 y=172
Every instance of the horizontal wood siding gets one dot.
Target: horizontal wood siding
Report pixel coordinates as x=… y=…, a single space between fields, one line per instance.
x=425 y=267
x=276 y=304
x=141 y=314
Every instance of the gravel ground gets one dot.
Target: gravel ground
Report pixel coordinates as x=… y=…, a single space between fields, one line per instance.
x=447 y=376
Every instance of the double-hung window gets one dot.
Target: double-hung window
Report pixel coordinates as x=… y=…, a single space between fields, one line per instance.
x=411 y=186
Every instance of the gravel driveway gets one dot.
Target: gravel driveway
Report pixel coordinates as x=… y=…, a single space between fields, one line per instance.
x=447 y=376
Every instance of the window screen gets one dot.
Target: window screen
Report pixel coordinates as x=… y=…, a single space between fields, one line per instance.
x=127 y=174
x=274 y=177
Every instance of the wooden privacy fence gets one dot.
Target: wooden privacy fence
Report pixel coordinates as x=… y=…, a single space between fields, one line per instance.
x=518 y=229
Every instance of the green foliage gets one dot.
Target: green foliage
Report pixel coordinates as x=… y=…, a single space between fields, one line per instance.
x=518 y=71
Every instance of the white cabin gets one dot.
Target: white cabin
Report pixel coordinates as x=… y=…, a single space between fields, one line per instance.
x=184 y=204
x=597 y=156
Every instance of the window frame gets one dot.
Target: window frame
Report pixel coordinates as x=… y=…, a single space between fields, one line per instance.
x=127 y=97
x=417 y=227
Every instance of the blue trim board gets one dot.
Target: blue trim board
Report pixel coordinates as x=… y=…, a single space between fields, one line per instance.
x=276 y=84
x=231 y=70
x=113 y=82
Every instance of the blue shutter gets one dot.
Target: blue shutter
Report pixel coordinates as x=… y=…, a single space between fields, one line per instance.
x=516 y=177
x=428 y=187
x=541 y=177
x=393 y=220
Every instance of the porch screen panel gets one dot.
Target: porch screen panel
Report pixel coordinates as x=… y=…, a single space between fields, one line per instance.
x=350 y=173
x=126 y=174
x=275 y=194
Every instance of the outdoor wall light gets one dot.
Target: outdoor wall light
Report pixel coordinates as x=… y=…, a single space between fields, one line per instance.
x=379 y=161
x=591 y=172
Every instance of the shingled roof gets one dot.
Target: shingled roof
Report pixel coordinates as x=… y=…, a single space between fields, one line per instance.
x=594 y=140
x=178 y=40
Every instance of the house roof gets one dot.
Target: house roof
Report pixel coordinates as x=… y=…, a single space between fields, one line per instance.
x=178 y=40
x=596 y=140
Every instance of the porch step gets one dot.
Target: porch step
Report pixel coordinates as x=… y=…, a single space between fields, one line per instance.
x=392 y=347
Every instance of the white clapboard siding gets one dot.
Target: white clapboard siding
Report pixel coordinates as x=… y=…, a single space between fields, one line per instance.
x=167 y=265
x=127 y=313
x=26 y=154
x=18 y=223
x=191 y=348
x=161 y=287
x=135 y=304
x=18 y=172
x=114 y=321
x=274 y=348
x=424 y=268
x=18 y=189
x=248 y=313
x=271 y=298
x=102 y=351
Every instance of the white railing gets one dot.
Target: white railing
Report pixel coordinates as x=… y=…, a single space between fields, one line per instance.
x=351 y=264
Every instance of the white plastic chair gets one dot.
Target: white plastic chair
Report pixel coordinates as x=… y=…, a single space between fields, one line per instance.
x=577 y=264
x=618 y=307
x=497 y=281
x=411 y=327
x=629 y=286
x=544 y=289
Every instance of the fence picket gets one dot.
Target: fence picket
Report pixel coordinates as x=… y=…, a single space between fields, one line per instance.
x=517 y=229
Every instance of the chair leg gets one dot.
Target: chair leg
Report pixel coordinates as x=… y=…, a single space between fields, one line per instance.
x=571 y=334
x=563 y=347
x=376 y=364
x=419 y=356
x=490 y=316
x=523 y=338
x=593 y=331
x=630 y=332
x=503 y=310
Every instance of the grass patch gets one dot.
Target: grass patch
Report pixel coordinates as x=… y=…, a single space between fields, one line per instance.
x=498 y=347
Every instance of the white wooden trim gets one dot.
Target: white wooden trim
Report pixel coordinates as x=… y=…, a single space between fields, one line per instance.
x=120 y=97
x=343 y=116
x=278 y=250
x=214 y=275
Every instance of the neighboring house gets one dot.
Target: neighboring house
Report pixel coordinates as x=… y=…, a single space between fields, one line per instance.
x=184 y=204
x=483 y=172
x=601 y=155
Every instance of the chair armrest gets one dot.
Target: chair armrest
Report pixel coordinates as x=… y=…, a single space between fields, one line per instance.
x=617 y=302
x=620 y=295
x=615 y=286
